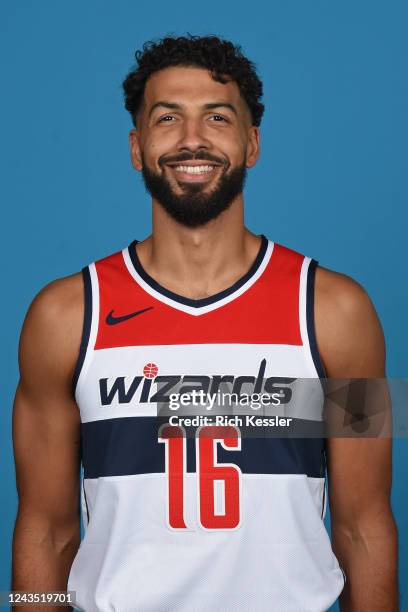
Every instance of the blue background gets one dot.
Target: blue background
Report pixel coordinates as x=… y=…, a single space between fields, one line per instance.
x=329 y=183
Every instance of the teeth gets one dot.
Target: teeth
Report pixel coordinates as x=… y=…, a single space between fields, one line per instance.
x=194 y=169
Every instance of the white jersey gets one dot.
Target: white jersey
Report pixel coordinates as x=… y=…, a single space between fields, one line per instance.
x=202 y=515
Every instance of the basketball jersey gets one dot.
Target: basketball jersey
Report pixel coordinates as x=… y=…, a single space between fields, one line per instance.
x=201 y=516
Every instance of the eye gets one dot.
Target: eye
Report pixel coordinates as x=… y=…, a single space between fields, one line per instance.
x=219 y=118
x=164 y=118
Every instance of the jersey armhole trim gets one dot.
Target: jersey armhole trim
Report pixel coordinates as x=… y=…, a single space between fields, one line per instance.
x=86 y=327
x=310 y=318
x=323 y=512
x=86 y=502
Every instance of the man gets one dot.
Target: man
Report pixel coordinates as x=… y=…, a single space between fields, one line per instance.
x=214 y=519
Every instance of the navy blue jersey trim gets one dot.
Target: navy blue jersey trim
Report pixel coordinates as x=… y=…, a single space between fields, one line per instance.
x=86 y=502
x=310 y=293
x=128 y=445
x=202 y=301
x=323 y=499
x=86 y=328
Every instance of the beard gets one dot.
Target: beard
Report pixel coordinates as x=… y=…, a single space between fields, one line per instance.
x=194 y=207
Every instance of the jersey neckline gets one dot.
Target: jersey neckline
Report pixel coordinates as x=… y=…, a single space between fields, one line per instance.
x=201 y=302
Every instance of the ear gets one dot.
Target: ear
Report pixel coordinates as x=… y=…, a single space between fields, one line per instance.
x=135 y=149
x=253 y=147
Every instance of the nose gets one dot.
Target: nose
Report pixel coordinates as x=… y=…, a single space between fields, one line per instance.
x=192 y=136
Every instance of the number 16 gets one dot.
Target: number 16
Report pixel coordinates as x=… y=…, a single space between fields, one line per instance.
x=208 y=473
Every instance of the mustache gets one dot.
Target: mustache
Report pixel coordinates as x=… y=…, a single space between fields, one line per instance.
x=182 y=157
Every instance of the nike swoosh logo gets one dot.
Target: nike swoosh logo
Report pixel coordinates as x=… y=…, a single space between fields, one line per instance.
x=111 y=320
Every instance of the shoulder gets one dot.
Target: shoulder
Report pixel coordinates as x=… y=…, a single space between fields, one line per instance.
x=348 y=330
x=57 y=302
x=52 y=328
x=341 y=292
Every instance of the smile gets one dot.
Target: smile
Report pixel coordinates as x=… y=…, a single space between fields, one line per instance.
x=194 y=172
x=194 y=169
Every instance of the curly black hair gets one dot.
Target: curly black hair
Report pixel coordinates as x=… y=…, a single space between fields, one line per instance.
x=222 y=58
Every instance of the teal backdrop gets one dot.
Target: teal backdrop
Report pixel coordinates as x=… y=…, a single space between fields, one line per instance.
x=331 y=181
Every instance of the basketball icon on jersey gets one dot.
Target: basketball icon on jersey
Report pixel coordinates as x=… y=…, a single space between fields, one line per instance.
x=150 y=370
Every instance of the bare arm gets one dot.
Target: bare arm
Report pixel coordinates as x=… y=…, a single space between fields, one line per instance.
x=46 y=437
x=364 y=533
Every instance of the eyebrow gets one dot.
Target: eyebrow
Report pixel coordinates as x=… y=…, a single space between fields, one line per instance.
x=164 y=104
x=176 y=106
x=221 y=105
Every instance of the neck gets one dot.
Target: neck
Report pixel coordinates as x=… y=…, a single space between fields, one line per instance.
x=198 y=262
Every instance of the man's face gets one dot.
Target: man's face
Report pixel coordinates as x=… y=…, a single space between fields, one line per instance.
x=193 y=143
